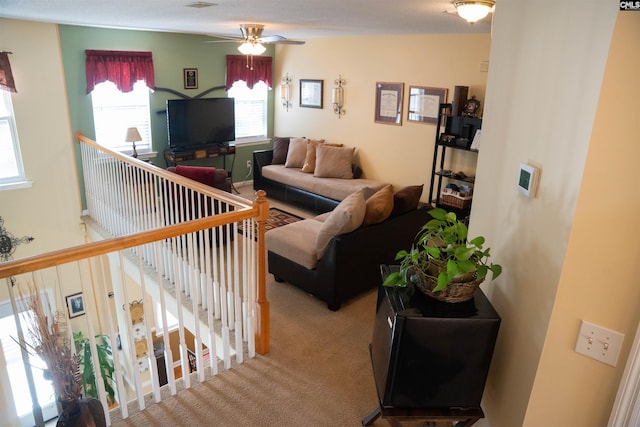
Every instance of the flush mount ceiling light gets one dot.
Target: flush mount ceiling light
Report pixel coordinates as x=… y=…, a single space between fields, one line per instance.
x=473 y=10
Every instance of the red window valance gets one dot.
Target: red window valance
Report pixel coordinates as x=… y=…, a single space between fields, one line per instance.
x=6 y=76
x=238 y=68
x=120 y=67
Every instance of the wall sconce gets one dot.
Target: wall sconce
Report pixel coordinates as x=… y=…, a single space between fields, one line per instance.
x=337 y=96
x=133 y=136
x=285 y=92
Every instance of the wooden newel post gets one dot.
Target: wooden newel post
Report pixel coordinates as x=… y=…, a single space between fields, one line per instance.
x=262 y=305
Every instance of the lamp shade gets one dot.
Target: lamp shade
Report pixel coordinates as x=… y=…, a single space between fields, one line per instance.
x=133 y=135
x=473 y=10
x=248 y=48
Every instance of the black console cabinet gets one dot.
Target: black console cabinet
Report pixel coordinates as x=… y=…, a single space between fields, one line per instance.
x=428 y=354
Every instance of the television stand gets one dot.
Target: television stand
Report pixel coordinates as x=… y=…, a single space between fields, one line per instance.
x=174 y=156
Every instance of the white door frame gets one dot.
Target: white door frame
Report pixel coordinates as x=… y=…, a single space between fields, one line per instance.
x=626 y=408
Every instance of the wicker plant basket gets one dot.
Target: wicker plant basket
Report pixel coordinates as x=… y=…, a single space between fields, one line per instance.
x=459 y=290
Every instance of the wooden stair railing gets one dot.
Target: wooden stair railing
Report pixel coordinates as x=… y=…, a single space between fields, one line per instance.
x=260 y=211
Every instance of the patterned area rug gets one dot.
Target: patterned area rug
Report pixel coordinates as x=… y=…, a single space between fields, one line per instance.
x=277 y=218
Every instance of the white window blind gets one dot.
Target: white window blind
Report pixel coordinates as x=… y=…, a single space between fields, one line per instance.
x=114 y=112
x=11 y=169
x=250 y=110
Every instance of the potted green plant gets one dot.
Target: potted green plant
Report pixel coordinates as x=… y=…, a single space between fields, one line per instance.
x=443 y=262
x=105 y=364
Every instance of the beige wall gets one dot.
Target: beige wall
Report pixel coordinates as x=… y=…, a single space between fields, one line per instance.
x=547 y=64
x=599 y=280
x=401 y=155
x=49 y=211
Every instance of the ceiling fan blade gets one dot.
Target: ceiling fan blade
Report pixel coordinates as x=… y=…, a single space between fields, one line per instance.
x=225 y=41
x=271 y=39
x=281 y=41
x=224 y=38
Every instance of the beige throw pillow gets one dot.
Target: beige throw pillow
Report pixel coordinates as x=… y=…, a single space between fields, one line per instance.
x=345 y=218
x=296 y=153
x=334 y=162
x=379 y=206
x=310 y=159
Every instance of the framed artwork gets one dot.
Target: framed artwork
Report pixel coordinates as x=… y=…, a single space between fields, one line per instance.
x=389 y=103
x=311 y=93
x=190 y=78
x=424 y=103
x=75 y=305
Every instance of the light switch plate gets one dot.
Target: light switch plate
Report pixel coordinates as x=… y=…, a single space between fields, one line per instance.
x=599 y=343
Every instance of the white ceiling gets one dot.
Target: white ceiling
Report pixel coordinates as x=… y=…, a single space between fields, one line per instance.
x=293 y=19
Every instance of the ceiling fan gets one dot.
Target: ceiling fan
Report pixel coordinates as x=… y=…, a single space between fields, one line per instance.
x=252 y=40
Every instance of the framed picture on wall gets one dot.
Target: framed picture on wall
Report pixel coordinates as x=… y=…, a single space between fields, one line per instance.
x=75 y=305
x=424 y=103
x=190 y=78
x=311 y=93
x=389 y=103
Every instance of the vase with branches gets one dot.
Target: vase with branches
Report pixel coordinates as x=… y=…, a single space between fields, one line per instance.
x=50 y=339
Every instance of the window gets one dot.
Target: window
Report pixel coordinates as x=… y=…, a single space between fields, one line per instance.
x=115 y=111
x=16 y=368
x=11 y=169
x=251 y=111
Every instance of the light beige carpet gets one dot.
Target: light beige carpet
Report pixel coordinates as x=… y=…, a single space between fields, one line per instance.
x=318 y=372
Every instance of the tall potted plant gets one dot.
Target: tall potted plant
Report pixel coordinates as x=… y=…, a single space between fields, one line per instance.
x=105 y=365
x=443 y=262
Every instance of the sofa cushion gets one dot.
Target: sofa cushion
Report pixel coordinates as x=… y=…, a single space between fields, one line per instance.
x=280 y=149
x=379 y=206
x=334 y=162
x=296 y=153
x=345 y=218
x=295 y=241
x=332 y=188
x=322 y=217
x=406 y=199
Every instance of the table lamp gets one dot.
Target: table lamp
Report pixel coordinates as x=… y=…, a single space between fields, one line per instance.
x=133 y=136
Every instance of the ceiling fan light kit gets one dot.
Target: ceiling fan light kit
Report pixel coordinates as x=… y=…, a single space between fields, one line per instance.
x=251 y=48
x=473 y=10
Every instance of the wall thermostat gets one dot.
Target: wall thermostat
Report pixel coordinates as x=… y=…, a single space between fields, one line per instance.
x=528 y=179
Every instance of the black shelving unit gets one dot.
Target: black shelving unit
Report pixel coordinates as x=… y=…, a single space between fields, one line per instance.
x=456 y=133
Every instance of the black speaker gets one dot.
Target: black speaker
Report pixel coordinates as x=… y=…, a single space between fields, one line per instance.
x=431 y=354
x=460 y=94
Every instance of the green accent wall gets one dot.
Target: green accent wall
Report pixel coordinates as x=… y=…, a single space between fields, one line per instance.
x=171 y=53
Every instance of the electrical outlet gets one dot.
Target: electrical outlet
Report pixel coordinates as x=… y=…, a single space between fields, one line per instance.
x=599 y=343
x=248 y=164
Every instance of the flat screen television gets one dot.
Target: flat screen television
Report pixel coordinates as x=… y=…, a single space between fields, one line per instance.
x=193 y=123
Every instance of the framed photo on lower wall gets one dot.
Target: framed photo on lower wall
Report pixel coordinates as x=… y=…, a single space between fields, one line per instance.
x=389 y=103
x=75 y=305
